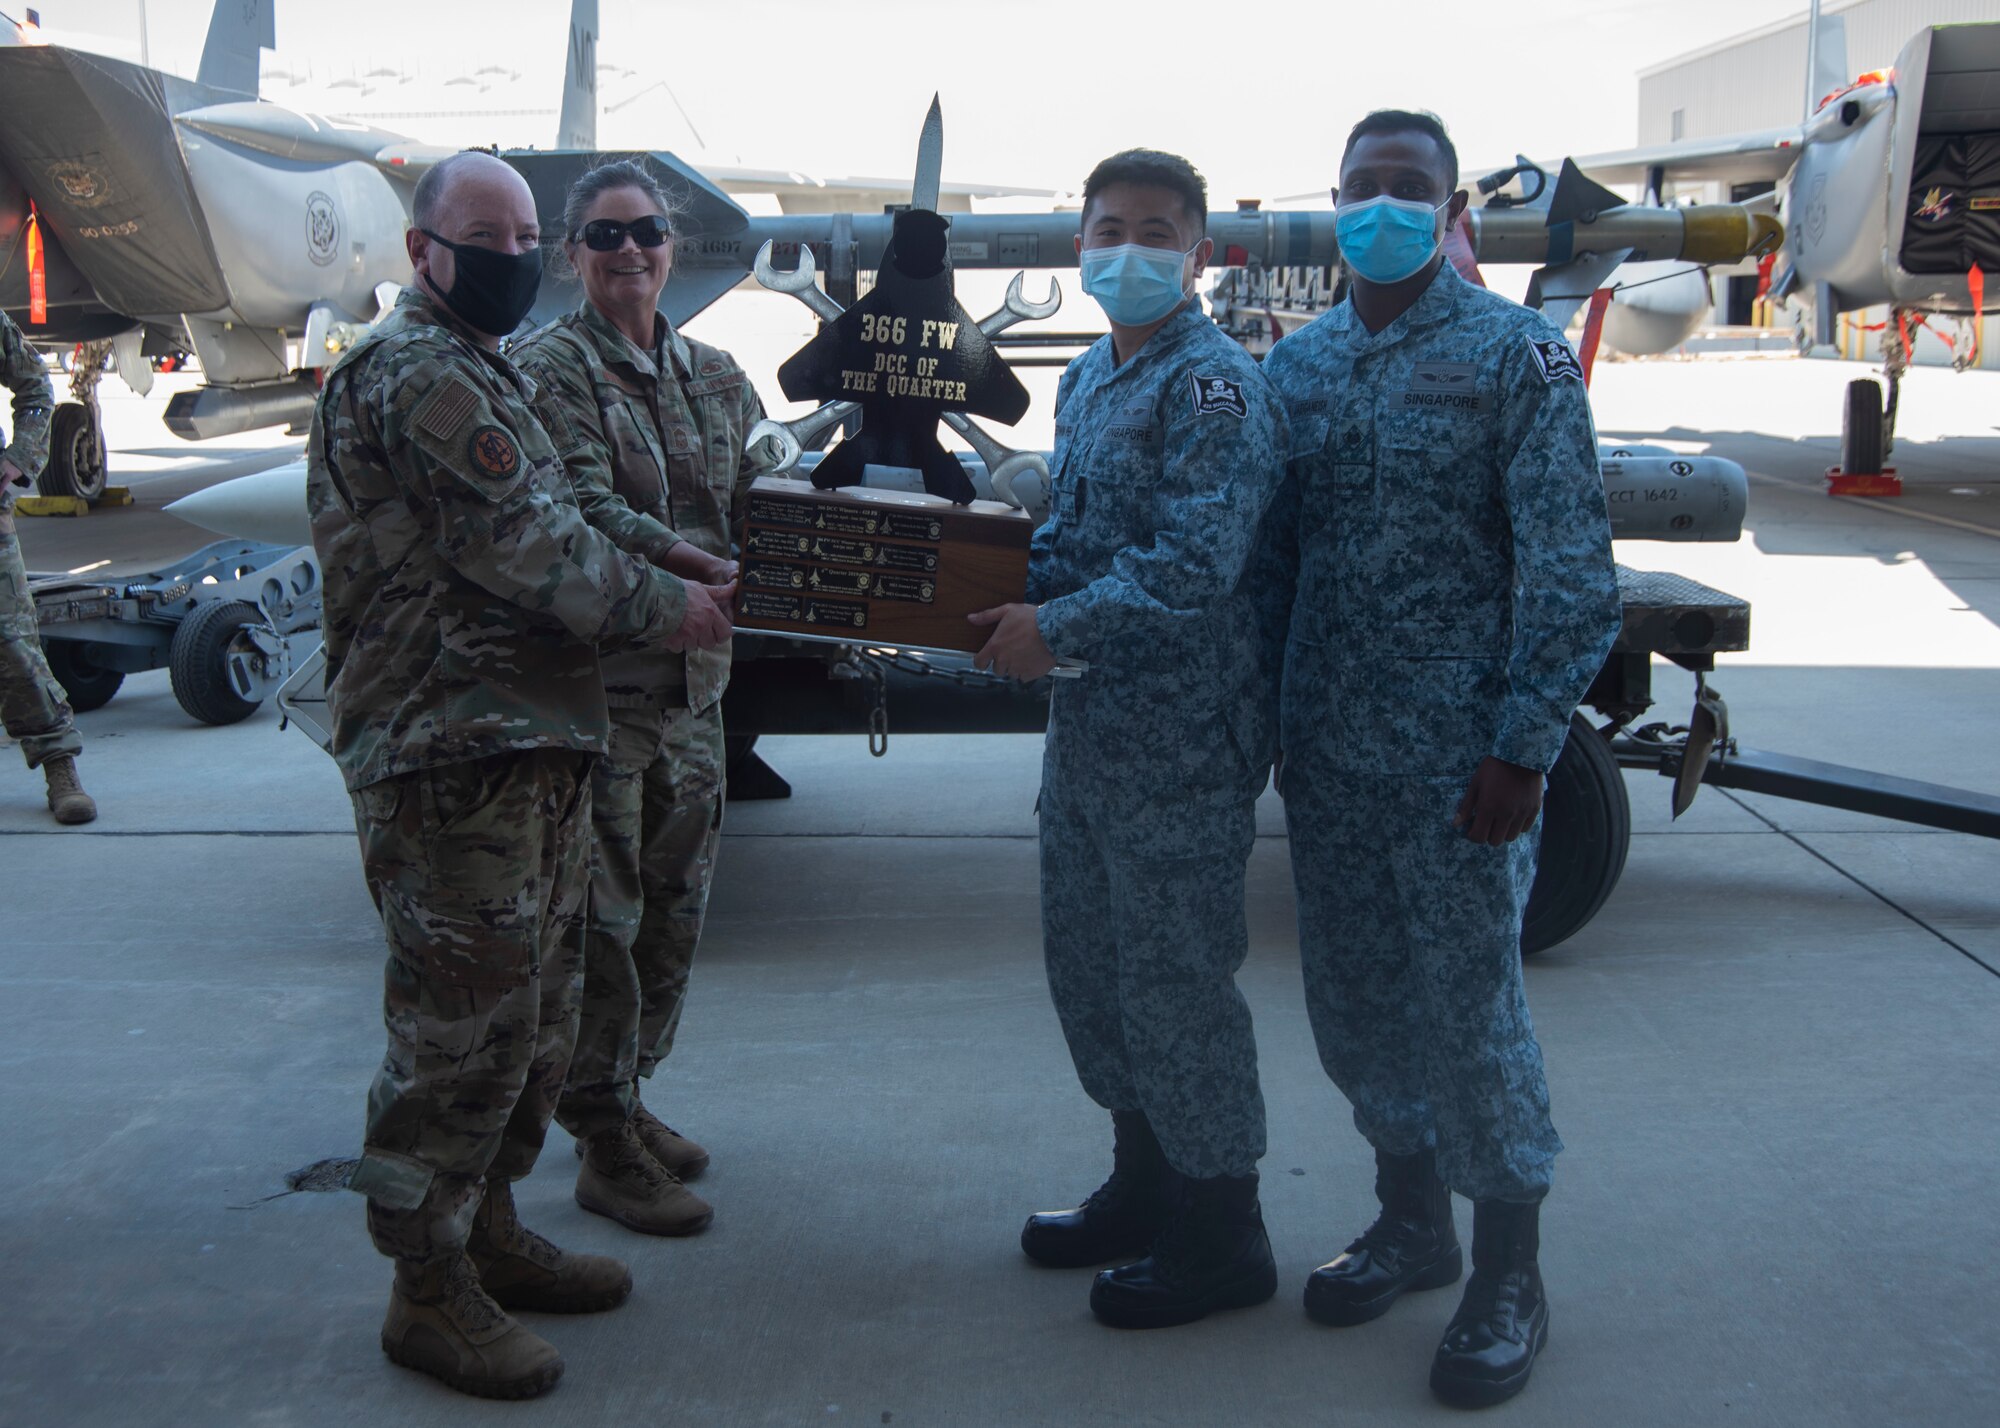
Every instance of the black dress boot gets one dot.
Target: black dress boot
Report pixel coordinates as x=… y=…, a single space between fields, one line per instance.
x=1213 y=1254
x=1503 y=1321
x=1411 y=1245
x=1122 y=1215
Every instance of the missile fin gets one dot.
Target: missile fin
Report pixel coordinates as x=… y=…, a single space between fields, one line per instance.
x=1577 y=194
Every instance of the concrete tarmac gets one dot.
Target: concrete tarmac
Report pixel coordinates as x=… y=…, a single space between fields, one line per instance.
x=1775 y=1057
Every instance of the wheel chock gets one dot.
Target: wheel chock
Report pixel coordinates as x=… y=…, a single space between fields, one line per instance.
x=114 y=496
x=51 y=506
x=1883 y=483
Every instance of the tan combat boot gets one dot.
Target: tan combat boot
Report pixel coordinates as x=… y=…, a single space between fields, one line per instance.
x=521 y=1270
x=443 y=1324
x=675 y=1151
x=67 y=800
x=621 y=1181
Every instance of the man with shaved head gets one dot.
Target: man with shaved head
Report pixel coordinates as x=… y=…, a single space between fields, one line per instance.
x=466 y=603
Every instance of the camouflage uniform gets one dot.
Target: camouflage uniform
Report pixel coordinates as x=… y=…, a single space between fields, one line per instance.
x=1155 y=757
x=1444 y=527
x=654 y=462
x=465 y=601
x=33 y=706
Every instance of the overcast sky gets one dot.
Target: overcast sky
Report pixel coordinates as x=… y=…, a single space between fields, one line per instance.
x=1034 y=91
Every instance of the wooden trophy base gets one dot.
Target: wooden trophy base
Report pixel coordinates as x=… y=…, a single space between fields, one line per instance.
x=871 y=567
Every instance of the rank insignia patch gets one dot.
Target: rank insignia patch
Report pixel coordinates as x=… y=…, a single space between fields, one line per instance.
x=493 y=452
x=1218 y=394
x=1555 y=360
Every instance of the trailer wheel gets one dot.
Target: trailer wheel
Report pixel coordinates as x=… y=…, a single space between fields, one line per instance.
x=1586 y=832
x=88 y=684
x=1863 y=449
x=199 y=664
x=76 y=454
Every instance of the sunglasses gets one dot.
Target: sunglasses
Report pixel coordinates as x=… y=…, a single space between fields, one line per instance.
x=607 y=235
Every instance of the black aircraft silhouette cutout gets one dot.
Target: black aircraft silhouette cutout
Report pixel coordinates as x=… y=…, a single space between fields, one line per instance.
x=907 y=353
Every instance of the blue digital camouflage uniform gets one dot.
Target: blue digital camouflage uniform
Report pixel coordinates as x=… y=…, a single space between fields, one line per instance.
x=1443 y=527
x=1155 y=757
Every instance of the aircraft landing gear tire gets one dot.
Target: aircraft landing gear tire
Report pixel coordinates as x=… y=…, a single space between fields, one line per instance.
x=76 y=454
x=1586 y=832
x=88 y=684
x=1864 y=446
x=204 y=679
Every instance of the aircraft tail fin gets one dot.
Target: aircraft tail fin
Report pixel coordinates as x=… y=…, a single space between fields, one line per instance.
x=577 y=128
x=238 y=33
x=1826 y=58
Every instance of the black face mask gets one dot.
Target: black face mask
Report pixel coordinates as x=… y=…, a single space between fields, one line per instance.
x=490 y=291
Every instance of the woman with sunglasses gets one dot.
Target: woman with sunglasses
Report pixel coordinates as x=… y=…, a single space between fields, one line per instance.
x=650 y=427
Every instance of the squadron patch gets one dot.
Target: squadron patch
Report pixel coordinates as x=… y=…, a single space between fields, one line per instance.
x=1218 y=394
x=493 y=452
x=1936 y=206
x=1556 y=360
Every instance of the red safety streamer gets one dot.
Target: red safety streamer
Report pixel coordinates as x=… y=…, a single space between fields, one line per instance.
x=1976 y=280
x=38 y=277
x=1593 y=330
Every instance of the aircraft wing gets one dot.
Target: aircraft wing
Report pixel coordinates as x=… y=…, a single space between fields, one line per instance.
x=1761 y=157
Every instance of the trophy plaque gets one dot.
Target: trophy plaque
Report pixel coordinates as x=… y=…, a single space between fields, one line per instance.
x=834 y=559
x=865 y=566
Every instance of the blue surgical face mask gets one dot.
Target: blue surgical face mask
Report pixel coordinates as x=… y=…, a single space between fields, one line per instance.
x=1134 y=284
x=1385 y=240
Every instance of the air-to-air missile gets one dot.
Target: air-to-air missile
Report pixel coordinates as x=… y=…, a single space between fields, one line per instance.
x=1251 y=236
x=1652 y=493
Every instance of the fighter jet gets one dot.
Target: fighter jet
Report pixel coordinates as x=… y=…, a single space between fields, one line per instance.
x=1890 y=193
x=156 y=214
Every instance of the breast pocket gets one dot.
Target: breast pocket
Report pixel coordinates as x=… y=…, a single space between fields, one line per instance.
x=1456 y=423
x=717 y=401
x=1438 y=473
x=554 y=417
x=687 y=477
x=1122 y=477
x=636 y=471
x=725 y=451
